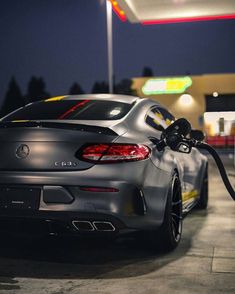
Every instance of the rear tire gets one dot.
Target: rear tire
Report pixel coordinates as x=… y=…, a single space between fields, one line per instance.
x=203 y=199
x=168 y=236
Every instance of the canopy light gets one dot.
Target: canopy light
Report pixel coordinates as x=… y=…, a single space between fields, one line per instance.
x=116 y=8
x=166 y=86
x=186 y=100
x=150 y=12
x=215 y=94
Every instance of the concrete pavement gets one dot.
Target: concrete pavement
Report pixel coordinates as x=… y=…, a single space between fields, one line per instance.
x=203 y=263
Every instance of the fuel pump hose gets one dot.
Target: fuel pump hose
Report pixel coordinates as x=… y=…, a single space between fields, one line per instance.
x=224 y=176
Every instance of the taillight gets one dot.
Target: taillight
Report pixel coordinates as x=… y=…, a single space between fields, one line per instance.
x=94 y=152
x=108 y=153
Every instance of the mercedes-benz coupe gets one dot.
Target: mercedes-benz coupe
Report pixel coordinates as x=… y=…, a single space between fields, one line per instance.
x=89 y=164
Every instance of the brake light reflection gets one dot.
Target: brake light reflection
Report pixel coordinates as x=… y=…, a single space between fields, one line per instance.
x=70 y=110
x=98 y=189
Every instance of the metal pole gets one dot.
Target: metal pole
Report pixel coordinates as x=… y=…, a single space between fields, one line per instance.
x=110 y=44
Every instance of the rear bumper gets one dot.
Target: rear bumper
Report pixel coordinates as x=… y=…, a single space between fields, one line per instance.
x=124 y=209
x=138 y=202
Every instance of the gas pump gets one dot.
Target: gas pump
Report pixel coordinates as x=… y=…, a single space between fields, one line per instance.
x=180 y=137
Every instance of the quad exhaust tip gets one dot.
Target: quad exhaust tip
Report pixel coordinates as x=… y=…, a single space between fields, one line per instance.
x=87 y=226
x=83 y=225
x=103 y=226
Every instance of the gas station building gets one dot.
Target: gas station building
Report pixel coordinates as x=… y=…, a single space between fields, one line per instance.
x=207 y=101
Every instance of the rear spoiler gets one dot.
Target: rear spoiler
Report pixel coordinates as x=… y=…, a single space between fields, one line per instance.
x=58 y=125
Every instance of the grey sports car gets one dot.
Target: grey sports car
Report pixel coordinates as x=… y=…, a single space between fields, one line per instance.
x=89 y=164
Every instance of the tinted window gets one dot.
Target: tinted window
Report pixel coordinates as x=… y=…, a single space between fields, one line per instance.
x=167 y=116
x=225 y=102
x=72 y=110
x=159 y=118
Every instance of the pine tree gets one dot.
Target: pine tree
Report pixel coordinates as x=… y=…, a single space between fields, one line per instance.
x=125 y=87
x=36 y=90
x=76 y=89
x=13 y=98
x=147 y=72
x=100 y=87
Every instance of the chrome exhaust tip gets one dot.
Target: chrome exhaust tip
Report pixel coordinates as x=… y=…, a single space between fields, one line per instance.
x=103 y=226
x=84 y=226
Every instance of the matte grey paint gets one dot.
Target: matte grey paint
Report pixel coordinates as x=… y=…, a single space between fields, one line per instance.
x=148 y=179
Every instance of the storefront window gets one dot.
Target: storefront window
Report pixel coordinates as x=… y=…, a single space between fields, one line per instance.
x=220 y=123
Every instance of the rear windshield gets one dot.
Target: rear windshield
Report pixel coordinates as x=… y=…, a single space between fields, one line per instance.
x=71 y=110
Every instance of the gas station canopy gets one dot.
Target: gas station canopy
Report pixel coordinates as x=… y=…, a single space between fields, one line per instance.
x=169 y=11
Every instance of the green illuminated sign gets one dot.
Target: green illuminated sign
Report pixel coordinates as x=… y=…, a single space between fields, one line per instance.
x=166 y=86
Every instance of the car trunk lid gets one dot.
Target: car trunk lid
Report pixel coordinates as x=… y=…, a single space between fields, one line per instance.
x=48 y=146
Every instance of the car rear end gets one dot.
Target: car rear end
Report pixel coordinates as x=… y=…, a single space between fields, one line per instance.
x=63 y=177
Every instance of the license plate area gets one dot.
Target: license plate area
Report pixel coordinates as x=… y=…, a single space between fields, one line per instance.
x=27 y=198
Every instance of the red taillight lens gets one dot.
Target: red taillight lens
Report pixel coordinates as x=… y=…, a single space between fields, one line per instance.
x=108 y=153
x=94 y=152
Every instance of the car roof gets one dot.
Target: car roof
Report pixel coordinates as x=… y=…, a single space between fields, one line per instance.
x=109 y=97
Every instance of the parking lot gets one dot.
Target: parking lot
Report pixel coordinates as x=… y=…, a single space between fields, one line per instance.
x=204 y=262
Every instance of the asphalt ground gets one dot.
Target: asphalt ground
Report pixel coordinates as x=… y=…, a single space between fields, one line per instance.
x=203 y=263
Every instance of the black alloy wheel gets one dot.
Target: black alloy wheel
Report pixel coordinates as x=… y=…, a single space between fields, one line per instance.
x=176 y=210
x=168 y=236
x=171 y=229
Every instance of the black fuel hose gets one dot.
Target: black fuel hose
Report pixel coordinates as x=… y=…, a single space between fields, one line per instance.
x=224 y=176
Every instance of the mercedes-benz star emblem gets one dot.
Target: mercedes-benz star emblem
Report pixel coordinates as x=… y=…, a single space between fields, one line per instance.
x=22 y=151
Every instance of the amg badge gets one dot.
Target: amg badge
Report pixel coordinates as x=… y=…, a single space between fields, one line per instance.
x=65 y=163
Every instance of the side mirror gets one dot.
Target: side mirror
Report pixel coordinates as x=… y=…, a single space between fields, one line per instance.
x=197 y=135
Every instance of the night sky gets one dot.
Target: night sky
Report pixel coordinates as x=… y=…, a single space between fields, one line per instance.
x=64 y=41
